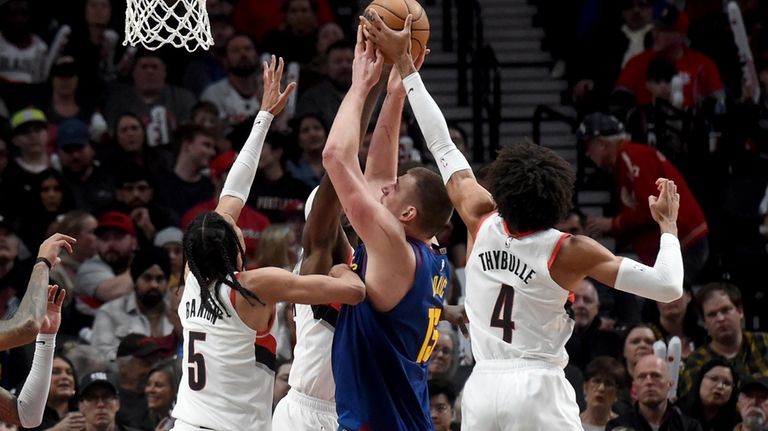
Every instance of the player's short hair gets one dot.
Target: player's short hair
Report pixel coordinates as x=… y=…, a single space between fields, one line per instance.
x=606 y=367
x=532 y=186
x=444 y=387
x=431 y=201
x=211 y=250
x=706 y=292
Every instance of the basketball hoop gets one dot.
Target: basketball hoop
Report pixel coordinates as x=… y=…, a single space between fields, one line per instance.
x=154 y=23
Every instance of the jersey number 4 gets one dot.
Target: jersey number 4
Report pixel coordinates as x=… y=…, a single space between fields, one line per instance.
x=502 y=312
x=196 y=362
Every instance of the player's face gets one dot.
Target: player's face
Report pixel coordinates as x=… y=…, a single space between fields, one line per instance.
x=722 y=319
x=676 y=309
x=600 y=391
x=585 y=305
x=651 y=381
x=396 y=196
x=99 y=406
x=159 y=392
x=716 y=387
x=442 y=356
x=639 y=343
x=130 y=134
x=51 y=194
x=441 y=411
x=151 y=286
x=311 y=134
x=62 y=381
x=135 y=194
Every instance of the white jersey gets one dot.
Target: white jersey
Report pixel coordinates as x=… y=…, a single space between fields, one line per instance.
x=515 y=309
x=228 y=368
x=311 y=372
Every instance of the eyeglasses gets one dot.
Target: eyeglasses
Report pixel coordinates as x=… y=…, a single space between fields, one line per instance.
x=597 y=381
x=717 y=381
x=440 y=408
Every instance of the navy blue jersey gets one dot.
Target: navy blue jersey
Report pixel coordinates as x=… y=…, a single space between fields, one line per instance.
x=380 y=359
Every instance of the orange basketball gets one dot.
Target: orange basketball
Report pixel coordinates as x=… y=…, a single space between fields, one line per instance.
x=394 y=12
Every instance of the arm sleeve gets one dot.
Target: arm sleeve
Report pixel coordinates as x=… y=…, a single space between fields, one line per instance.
x=663 y=282
x=434 y=128
x=34 y=394
x=240 y=178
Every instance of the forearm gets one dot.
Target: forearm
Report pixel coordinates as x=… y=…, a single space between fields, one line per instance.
x=24 y=325
x=344 y=141
x=33 y=396
x=240 y=177
x=383 y=153
x=663 y=282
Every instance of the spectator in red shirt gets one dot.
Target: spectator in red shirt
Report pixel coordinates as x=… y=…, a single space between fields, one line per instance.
x=699 y=74
x=251 y=222
x=635 y=168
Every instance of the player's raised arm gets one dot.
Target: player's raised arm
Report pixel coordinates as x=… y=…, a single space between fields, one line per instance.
x=278 y=285
x=581 y=256
x=471 y=200
x=238 y=183
x=323 y=240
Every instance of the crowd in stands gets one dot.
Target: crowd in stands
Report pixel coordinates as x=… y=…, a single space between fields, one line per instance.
x=121 y=148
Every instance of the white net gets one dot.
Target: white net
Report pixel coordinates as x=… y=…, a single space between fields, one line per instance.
x=154 y=23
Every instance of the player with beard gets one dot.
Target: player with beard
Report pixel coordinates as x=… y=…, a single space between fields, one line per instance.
x=142 y=311
x=237 y=95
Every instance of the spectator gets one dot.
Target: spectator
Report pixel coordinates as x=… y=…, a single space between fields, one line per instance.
x=66 y=101
x=678 y=319
x=106 y=276
x=22 y=53
x=637 y=343
x=96 y=54
x=131 y=140
x=442 y=398
x=142 y=311
x=54 y=199
x=297 y=37
x=148 y=92
x=251 y=222
x=170 y=240
x=14 y=271
x=99 y=402
x=753 y=404
x=29 y=134
x=720 y=308
x=238 y=95
x=60 y=409
x=206 y=115
x=85 y=358
x=700 y=76
x=590 y=339
x=207 y=67
x=328 y=34
x=186 y=186
x=276 y=248
x=445 y=357
x=275 y=191
x=603 y=380
x=311 y=134
x=162 y=385
x=712 y=400
x=651 y=382
x=91 y=184
x=258 y=17
x=324 y=99
x=282 y=387
x=635 y=168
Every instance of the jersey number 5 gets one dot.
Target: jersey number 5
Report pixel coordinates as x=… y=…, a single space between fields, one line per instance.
x=196 y=362
x=431 y=337
x=502 y=312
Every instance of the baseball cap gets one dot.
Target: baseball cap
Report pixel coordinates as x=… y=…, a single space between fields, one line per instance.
x=116 y=220
x=140 y=346
x=599 y=124
x=26 y=117
x=98 y=378
x=222 y=163
x=72 y=132
x=168 y=235
x=754 y=383
x=668 y=17
x=64 y=66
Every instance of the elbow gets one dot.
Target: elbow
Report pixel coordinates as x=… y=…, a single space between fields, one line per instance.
x=357 y=294
x=673 y=290
x=30 y=328
x=332 y=157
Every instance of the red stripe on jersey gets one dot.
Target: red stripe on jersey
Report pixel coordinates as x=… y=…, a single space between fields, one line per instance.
x=268 y=342
x=482 y=220
x=232 y=298
x=269 y=325
x=336 y=307
x=556 y=249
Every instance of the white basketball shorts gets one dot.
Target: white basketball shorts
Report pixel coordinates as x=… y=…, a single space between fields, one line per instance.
x=301 y=412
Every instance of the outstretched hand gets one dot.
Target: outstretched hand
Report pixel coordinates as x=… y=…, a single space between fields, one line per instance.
x=395 y=83
x=53 y=313
x=392 y=43
x=664 y=207
x=51 y=247
x=366 y=68
x=274 y=100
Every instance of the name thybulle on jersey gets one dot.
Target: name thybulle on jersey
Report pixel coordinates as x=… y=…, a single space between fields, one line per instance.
x=499 y=260
x=199 y=311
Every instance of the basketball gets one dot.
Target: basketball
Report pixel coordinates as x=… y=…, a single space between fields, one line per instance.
x=394 y=12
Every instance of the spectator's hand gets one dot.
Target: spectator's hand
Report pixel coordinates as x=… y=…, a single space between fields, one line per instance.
x=141 y=218
x=366 y=68
x=664 y=207
x=392 y=44
x=598 y=225
x=274 y=100
x=395 y=83
x=581 y=89
x=607 y=324
x=51 y=247
x=73 y=421
x=53 y=313
x=457 y=316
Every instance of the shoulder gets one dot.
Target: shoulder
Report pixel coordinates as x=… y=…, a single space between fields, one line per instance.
x=639 y=60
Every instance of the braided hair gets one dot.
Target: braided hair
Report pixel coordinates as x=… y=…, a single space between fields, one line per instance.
x=211 y=249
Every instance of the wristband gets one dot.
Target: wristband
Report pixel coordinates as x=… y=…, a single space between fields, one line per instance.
x=45 y=261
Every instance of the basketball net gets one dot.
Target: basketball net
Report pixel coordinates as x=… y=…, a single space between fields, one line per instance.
x=154 y=23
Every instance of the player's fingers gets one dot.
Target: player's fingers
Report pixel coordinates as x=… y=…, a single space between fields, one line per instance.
x=407 y=24
x=652 y=200
x=62 y=293
x=52 y=292
x=289 y=89
x=67 y=246
x=379 y=58
x=280 y=67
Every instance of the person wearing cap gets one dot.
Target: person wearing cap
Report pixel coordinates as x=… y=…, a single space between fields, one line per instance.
x=753 y=404
x=92 y=185
x=652 y=410
x=701 y=78
x=251 y=222
x=106 y=276
x=170 y=240
x=99 y=402
x=635 y=168
x=29 y=134
x=64 y=102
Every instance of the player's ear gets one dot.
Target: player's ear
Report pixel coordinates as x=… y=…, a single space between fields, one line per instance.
x=409 y=213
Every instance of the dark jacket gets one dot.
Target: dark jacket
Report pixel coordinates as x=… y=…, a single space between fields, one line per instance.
x=674 y=420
